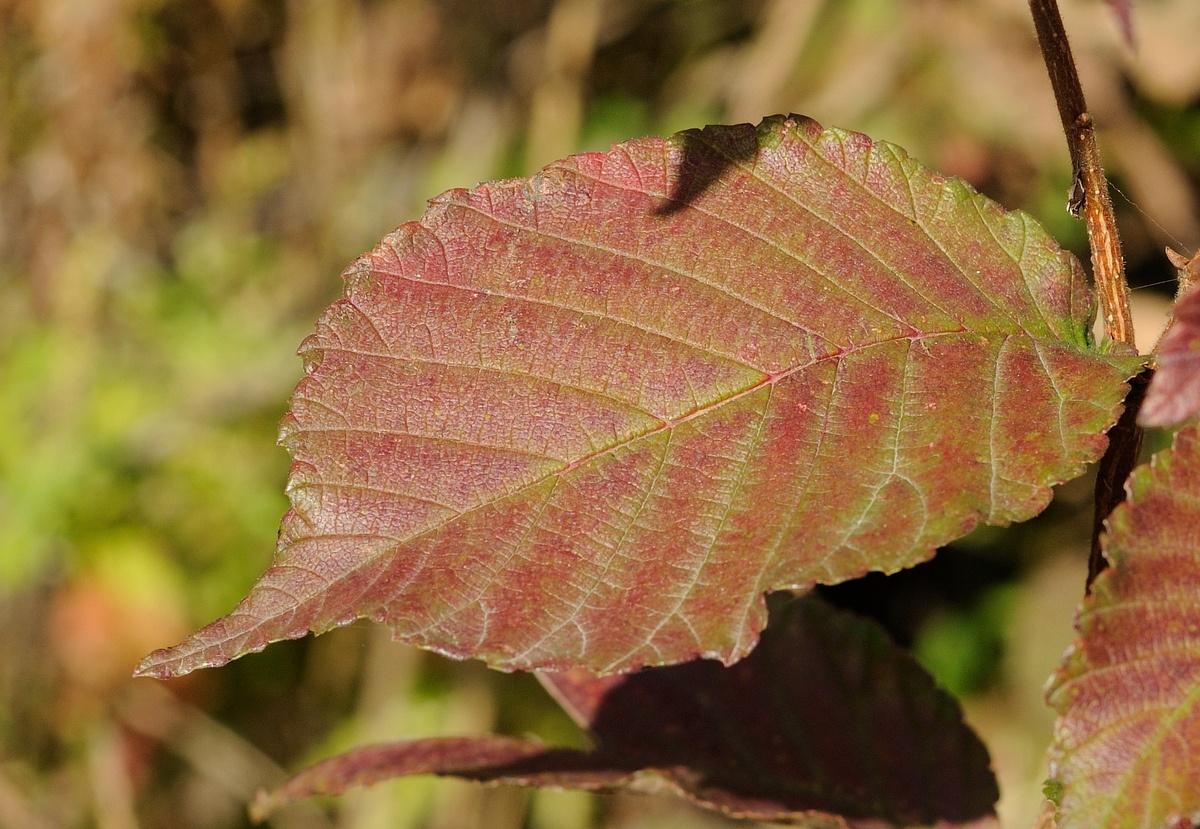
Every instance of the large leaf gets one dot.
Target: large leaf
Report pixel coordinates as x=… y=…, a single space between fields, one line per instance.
x=826 y=721
x=591 y=417
x=1128 y=693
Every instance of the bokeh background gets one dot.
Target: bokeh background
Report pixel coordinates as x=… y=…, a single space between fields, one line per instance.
x=181 y=181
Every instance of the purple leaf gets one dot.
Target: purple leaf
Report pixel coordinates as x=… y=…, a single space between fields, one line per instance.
x=826 y=720
x=486 y=759
x=590 y=418
x=1174 y=394
x=1128 y=692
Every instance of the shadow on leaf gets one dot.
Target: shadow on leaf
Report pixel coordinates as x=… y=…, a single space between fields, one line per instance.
x=704 y=156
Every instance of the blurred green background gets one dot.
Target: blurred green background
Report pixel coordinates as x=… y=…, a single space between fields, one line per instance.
x=181 y=181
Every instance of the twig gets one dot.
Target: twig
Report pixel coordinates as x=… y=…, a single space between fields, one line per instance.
x=1089 y=193
x=1124 y=446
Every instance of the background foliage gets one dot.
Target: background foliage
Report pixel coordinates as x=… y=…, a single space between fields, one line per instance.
x=180 y=183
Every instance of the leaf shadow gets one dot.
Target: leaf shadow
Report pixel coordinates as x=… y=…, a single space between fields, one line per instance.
x=824 y=717
x=788 y=730
x=705 y=155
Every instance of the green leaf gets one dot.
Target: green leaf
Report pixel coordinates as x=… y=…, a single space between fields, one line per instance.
x=590 y=418
x=1128 y=692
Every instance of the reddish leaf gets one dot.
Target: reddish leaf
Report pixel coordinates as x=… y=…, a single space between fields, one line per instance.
x=1128 y=693
x=489 y=759
x=570 y=421
x=1174 y=394
x=826 y=719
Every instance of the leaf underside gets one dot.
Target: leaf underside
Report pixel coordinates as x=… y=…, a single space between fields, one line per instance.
x=1128 y=692
x=770 y=738
x=590 y=418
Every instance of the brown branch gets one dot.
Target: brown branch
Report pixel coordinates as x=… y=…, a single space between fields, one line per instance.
x=1089 y=192
x=1124 y=447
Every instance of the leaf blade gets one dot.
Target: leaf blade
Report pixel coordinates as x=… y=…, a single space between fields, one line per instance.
x=669 y=402
x=827 y=722
x=1127 y=691
x=1174 y=394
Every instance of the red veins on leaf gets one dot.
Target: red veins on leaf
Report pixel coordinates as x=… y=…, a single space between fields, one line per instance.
x=1128 y=692
x=590 y=418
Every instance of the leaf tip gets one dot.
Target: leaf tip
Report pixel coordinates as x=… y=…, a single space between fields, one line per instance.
x=154 y=665
x=1122 y=11
x=161 y=664
x=192 y=654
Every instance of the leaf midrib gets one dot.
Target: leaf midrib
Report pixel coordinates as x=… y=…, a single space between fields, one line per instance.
x=665 y=424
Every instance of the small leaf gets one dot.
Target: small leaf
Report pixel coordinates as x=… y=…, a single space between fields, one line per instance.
x=826 y=721
x=590 y=418
x=489 y=759
x=1128 y=692
x=1174 y=394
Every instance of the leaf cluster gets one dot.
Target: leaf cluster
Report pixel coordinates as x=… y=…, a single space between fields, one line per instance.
x=580 y=424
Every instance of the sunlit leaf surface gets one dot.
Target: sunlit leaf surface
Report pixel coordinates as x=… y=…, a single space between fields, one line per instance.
x=589 y=418
x=1128 y=693
x=825 y=720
